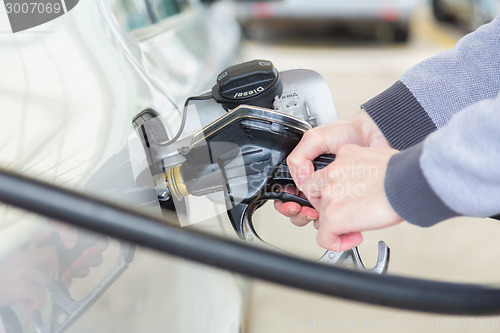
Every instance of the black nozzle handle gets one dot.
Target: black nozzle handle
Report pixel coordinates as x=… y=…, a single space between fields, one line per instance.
x=282 y=176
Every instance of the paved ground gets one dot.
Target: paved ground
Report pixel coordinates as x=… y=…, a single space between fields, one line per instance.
x=461 y=250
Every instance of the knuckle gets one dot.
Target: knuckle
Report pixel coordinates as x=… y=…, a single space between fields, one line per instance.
x=327 y=174
x=293 y=160
x=299 y=221
x=329 y=213
x=348 y=148
x=308 y=134
x=327 y=240
x=313 y=136
x=336 y=228
x=333 y=220
x=329 y=192
x=344 y=149
x=277 y=205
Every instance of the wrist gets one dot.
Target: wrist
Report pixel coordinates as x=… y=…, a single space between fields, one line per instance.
x=371 y=133
x=399 y=115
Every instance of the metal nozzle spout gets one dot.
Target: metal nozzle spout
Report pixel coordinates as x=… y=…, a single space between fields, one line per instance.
x=175 y=183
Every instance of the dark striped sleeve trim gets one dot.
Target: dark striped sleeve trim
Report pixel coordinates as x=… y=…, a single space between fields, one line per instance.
x=400 y=117
x=409 y=193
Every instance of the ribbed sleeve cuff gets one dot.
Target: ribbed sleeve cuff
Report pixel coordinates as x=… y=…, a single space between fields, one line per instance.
x=409 y=193
x=400 y=117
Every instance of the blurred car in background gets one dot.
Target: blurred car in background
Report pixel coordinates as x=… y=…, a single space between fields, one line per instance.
x=470 y=13
x=392 y=15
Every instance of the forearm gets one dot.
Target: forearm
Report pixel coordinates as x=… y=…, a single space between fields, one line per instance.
x=400 y=117
x=453 y=172
x=429 y=94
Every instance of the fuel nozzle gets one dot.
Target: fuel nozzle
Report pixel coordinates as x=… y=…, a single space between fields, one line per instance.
x=174 y=183
x=170 y=184
x=235 y=154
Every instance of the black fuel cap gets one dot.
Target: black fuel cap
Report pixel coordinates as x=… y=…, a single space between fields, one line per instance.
x=256 y=82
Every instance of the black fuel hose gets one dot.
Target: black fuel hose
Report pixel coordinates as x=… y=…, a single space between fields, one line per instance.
x=399 y=292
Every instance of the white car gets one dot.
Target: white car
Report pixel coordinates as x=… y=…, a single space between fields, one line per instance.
x=471 y=13
x=69 y=90
x=394 y=14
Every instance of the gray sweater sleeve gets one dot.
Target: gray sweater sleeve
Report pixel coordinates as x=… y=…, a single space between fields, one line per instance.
x=446 y=167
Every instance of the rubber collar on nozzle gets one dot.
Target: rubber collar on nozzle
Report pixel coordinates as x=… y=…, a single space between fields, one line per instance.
x=255 y=82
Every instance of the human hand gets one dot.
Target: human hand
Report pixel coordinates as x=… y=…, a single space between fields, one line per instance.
x=350 y=196
x=26 y=274
x=360 y=130
x=91 y=256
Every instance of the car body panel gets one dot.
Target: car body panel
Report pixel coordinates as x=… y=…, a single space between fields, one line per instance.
x=69 y=91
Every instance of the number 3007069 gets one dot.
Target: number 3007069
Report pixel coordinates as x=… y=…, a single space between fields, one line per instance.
x=33 y=8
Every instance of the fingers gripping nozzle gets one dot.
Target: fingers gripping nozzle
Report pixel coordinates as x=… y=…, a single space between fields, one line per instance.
x=249 y=170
